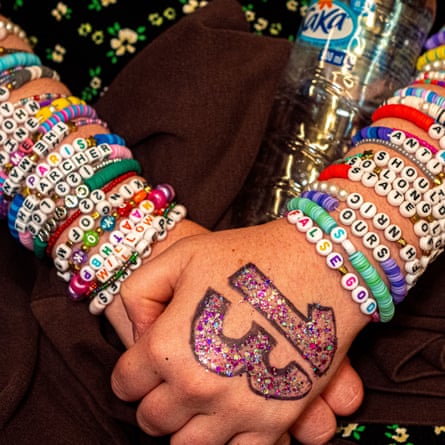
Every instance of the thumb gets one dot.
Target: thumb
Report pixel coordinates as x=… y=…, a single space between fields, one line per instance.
x=147 y=291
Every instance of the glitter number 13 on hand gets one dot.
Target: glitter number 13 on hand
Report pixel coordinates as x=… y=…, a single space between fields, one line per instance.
x=314 y=337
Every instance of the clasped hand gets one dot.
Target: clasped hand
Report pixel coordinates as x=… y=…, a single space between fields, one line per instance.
x=212 y=367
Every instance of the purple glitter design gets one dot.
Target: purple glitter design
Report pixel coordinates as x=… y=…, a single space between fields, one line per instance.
x=313 y=336
x=249 y=354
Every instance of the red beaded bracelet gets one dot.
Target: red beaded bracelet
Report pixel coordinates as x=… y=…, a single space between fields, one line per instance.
x=405 y=112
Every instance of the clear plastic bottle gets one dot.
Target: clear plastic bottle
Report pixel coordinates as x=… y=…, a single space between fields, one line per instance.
x=349 y=55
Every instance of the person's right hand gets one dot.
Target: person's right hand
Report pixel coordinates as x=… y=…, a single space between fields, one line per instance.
x=161 y=369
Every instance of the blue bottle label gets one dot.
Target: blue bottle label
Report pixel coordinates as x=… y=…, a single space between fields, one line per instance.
x=328 y=22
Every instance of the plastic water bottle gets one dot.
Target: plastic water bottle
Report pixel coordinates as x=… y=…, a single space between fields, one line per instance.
x=348 y=57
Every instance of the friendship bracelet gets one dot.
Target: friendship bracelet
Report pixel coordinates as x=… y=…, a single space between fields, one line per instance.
x=9 y=28
x=19 y=78
x=44 y=243
x=432 y=169
x=421 y=93
x=432 y=55
x=436 y=39
x=410 y=141
x=19 y=58
x=433 y=110
x=405 y=112
x=334 y=260
x=381 y=221
x=371 y=277
x=370 y=240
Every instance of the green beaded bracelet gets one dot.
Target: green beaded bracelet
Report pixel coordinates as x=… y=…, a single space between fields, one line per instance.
x=375 y=283
x=112 y=171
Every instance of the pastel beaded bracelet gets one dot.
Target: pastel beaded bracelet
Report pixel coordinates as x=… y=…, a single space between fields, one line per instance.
x=335 y=261
x=368 y=273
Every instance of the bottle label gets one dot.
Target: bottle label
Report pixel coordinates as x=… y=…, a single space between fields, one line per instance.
x=328 y=21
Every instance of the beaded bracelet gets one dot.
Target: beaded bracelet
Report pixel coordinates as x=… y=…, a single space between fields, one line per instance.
x=370 y=240
x=430 y=167
x=432 y=55
x=44 y=241
x=436 y=39
x=9 y=28
x=421 y=213
x=381 y=221
x=21 y=58
x=368 y=273
x=437 y=112
x=19 y=78
x=435 y=130
x=410 y=141
x=439 y=83
x=334 y=260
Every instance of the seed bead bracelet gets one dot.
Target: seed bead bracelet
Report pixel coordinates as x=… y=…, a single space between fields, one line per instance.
x=439 y=83
x=409 y=141
x=18 y=78
x=368 y=273
x=8 y=28
x=370 y=240
x=335 y=261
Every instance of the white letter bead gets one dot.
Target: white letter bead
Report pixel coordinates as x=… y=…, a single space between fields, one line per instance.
x=382 y=187
x=86 y=273
x=143 y=248
x=314 y=235
x=103 y=208
x=436 y=131
x=86 y=222
x=393 y=232
x=368 y=209
x=178 y=212
x=349 y=281
x=381 y=253
x=360 y=294
x=334 y=260
x=438 y=211
x=63 y=251
x=387 y=175
x=413 y=267
x=323 y=247
x=355 y=174
x=421 y=228
x=61 y=265
x=369 y=179
x=304 y=223
x=359 y=228
x=381 y=158
x=347 y=217
x=408 y=253
x=338 y=235
x=426 y=243
x=395 y=198
x=354 y=200
x=293 y=215
x=407 y=209
x=369 y=306
x=423 y=209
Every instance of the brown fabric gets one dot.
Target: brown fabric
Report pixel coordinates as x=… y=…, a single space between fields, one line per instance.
x=193 y=106
x=174 y=104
